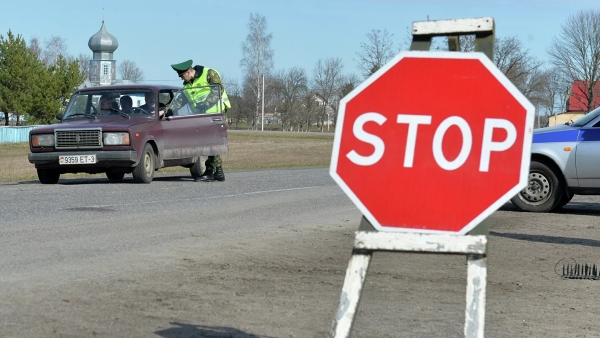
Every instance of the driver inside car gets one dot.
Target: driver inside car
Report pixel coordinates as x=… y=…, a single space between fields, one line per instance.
x=150 y=105
x=106 y=105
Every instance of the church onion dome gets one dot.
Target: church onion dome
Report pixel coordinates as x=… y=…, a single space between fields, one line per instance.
x=103 y=41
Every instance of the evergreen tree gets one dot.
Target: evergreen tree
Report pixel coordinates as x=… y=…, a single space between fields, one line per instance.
x=28 y=87
x=18 y=75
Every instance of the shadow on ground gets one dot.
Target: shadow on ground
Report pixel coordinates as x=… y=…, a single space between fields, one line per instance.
x=580 y=208
x=189 y=331
x=548 y=239
x=103 y=180
x=573 y=208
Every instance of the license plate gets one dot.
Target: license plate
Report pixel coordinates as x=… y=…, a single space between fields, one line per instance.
x=77 y=159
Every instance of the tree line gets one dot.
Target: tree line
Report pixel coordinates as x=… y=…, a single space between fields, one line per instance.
x=36 y=79
x=301 y=98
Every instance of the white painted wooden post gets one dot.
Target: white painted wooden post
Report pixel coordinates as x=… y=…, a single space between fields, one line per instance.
x=365 y=242
x=476 y=293
x=353 y=285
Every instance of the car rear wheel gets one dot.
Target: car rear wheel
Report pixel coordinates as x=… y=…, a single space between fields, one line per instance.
x=144 y=171
x=544 y=190
x=47 y=176
x=197 y=169
x=114 y=176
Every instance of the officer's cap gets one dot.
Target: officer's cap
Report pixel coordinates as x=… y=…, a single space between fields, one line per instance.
x=182 y=67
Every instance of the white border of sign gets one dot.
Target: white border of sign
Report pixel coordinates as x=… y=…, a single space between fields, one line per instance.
x=527 y=131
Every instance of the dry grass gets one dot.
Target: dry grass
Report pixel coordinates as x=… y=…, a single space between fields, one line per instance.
x=247 y=150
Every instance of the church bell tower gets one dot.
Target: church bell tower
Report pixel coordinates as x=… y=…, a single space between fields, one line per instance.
x=102 y=69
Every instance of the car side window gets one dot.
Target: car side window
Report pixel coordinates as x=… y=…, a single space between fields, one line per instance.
x=177 y=106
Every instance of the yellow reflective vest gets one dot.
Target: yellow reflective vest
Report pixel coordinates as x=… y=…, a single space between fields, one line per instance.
x=198 y=90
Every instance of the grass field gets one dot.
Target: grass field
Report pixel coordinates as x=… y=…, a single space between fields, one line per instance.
x=247 y=150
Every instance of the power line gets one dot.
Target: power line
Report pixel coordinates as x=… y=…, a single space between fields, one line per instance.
x=157 y=80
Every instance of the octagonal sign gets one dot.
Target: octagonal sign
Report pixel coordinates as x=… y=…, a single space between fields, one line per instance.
x=433 y=142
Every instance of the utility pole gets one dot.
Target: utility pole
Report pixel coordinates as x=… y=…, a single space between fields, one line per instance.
x=262 y=119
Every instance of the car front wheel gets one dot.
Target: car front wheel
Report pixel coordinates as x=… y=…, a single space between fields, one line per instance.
x=114 y=176
x=144 y=171
x=48 y=176
x=544 y=190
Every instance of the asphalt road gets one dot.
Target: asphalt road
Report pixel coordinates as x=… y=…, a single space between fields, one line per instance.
x=43 y=226
x=263 y=254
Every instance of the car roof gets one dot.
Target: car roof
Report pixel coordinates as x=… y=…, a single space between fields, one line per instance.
x=129 y=86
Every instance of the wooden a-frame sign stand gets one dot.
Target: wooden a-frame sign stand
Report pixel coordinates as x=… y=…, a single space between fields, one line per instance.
x=473 y=245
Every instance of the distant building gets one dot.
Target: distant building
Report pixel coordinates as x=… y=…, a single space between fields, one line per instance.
x=563 y=118
x=328 y=109
x=103 y=67
x=577 y=105
x=578 y=99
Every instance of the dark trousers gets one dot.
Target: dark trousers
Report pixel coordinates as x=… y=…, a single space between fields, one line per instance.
x=212 y=162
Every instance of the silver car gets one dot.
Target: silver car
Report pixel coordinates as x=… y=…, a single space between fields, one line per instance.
x=565 y=161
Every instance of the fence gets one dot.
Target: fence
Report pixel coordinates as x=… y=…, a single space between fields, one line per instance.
x=15 y=134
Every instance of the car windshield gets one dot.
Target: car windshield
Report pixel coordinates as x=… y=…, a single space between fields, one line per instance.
x=580 y=122
x=127 y=103
x=196 y=100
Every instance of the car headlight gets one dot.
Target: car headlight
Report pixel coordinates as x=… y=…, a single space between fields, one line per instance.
x=116 y=139
x=42 y=140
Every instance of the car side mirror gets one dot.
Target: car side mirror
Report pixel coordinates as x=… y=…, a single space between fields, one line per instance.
x=59 y=116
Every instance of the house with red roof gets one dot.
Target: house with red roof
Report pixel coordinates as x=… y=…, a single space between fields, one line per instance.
x=579 y=98
x=577 y=103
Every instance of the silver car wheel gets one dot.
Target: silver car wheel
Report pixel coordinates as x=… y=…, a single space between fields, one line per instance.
x=148 y=164
x=538 y=190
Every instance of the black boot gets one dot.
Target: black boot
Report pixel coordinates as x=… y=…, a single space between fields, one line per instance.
x=219 y=174
x=206 y=177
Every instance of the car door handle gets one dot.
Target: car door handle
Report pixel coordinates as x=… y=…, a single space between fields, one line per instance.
x=217 y=119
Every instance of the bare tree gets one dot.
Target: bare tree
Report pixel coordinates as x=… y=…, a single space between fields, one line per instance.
x=128 y=70
x=466 y=43
x=577 y=53
x=257 y=57
x=404 y=45
x=249 y=102
x=53 y=47
x=556 y=92
x=84 y=64
x=521 y=68
x=34 y=45
x=327 y=80
x=310 y=108
x=346 y=85
x=229 y=84
x=235 y=94
x=292 y=87
x=375 y=52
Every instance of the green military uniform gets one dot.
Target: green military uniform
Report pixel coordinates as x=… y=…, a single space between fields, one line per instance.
x=205 y=100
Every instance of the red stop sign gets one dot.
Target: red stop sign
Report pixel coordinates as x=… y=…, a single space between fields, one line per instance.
x=433 y=142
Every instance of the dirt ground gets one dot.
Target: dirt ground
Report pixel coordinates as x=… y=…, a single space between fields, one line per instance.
x=287 y=284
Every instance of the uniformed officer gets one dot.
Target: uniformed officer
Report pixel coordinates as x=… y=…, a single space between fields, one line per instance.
x=204 y=100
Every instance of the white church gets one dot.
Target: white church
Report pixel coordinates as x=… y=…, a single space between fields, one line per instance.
x=103 y=66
